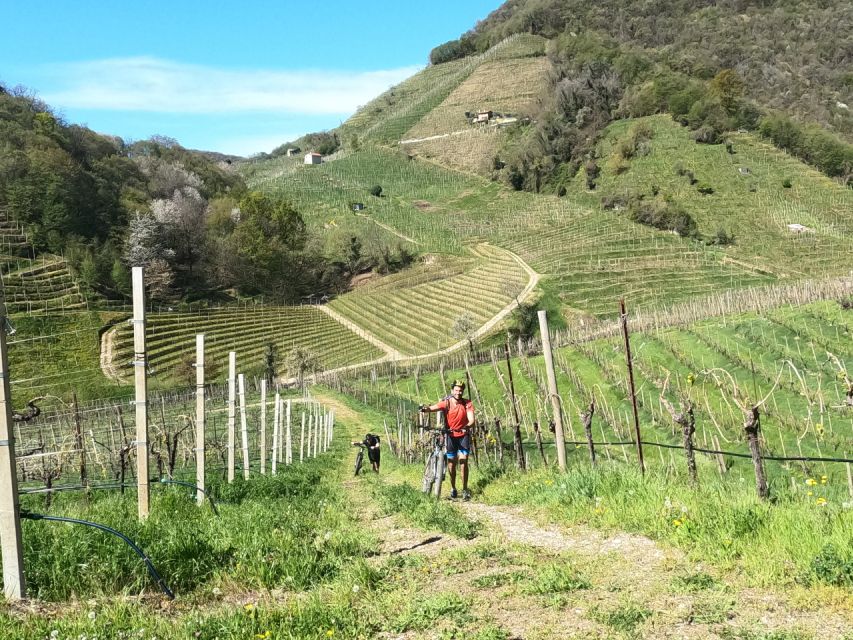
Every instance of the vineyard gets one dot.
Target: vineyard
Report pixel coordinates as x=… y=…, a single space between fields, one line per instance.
x=799 y=357
x=491 y=281
x=249 y=331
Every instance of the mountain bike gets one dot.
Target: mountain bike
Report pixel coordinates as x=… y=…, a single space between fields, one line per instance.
x=436 y=462
x=359 y=458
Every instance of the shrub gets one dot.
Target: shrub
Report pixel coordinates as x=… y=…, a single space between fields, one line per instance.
x=706 y=135
x=786 y=183
x=592 y=170
x=666 y=216
x=723 y=238
x=705 y=189
x=376 y=190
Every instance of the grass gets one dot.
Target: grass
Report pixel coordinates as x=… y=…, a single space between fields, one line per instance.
x=423 y=511
x=291 y=557
x=270 y=534
x=755 y=207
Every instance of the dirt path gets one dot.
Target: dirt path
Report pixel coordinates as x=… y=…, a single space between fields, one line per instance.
x=107 y=354
x=500 y=572
x=390 y=352
x=388 y=228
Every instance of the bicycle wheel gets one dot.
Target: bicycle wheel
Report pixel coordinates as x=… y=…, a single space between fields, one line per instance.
x=429 y=474
x=440 y=466
x=359 y=459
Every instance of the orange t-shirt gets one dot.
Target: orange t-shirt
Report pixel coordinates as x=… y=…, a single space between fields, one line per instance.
x=456 y=414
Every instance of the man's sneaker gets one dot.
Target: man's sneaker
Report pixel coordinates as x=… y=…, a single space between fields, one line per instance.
x=466 y=495
x=453 y=494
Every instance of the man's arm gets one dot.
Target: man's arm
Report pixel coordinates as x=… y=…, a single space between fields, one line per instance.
x=470 y=416
x=438 y=406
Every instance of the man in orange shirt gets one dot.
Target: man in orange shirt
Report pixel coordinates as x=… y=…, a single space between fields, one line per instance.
x=459 y=419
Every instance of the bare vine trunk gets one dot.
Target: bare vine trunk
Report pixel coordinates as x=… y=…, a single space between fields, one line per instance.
x=752 y=426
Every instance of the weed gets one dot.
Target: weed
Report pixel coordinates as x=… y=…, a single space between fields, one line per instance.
x=831 y=566
x=493 y=580
x=624 y=618
x=556 y=578
x=425 y=612
x=693 y=582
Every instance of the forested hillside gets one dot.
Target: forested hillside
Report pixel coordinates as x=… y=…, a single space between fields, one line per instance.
x=108 y=205
x=780 y=68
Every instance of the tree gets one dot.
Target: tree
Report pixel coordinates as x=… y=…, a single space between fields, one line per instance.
x=270 y=363
x=727 y=85
x=376 y=190
x=145 y=248
x=299 y=361
x=464 y=328
x=355 y=260
x=523 y=322
x=182 y=217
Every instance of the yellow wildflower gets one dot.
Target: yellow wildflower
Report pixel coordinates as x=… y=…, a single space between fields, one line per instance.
x=823 y=479
x=810 y=493
x=677 y=522
x=811 y=482
x=249 y=606
x=821 y=501
x=330 y=633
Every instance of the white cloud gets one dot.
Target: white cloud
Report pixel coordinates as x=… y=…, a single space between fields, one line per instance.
x=157 y=85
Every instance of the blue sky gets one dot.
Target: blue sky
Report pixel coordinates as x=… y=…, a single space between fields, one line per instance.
x=237 y=77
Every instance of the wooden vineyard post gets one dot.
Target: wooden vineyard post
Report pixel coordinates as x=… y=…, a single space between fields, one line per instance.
x=232 y=412
x=310 y=429
x=78 y=439
x=11 y=547
x=315 y=419
x=276 y=425
x=519 y=447
x=244 y=430
x=586 y=419
x=288 y=439
x=556 y=403
x=302 y=439
x=264 y=426
x=623 y=319
x=849 y=477
x=199 y=417
x=140 y=368
x=331 y=425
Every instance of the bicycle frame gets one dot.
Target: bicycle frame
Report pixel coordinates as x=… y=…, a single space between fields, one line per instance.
x=436 y=463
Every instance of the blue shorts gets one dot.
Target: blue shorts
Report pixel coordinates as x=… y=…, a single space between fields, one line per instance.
x=458 y=445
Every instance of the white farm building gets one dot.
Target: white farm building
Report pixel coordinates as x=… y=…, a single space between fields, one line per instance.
x=313 y=158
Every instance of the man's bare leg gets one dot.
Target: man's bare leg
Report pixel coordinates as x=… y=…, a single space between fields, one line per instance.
x=463 y=464
x=451 y=468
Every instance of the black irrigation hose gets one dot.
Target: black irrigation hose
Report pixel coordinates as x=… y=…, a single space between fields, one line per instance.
x=156 y=576
x=715 y=452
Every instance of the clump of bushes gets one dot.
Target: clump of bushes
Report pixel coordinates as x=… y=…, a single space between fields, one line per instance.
x=376 y=190
x=663 y=215
x=786 y=183
x=705 y=189
x=722 y=238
